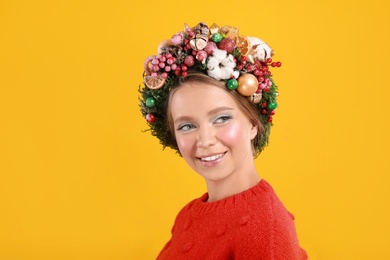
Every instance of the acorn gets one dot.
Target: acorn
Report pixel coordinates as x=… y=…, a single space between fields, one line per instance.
x=255 y=98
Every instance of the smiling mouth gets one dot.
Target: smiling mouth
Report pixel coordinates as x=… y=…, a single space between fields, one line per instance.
x=210 y=160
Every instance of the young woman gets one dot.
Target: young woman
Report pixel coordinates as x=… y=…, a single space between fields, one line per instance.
x=209 y=95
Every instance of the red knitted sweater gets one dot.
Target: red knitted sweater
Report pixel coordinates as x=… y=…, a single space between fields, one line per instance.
x=253 y=224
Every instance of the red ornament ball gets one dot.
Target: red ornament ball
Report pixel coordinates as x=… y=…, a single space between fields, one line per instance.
x=189 y=61
x=150 y=118
x=227 y=44
x=210 y=47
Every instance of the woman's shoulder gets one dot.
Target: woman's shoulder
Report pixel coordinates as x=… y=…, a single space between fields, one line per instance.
x=267 y=228
x=266 y=210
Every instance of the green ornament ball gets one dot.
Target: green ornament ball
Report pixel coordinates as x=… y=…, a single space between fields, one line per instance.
x=216 y=37
x=272 y=105
x=232 y=84
x=150 y=102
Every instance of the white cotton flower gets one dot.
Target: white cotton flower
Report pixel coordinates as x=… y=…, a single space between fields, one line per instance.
x=221 y=65
x=212 y=62
x=263 y=51
x=236 y=74
x=219 y=54
x=229 y=62
x=215 y=73
x=226 y=72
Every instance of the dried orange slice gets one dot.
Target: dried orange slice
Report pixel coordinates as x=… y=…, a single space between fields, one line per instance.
x=147 y=64
x=242 y=44
x=154 y=82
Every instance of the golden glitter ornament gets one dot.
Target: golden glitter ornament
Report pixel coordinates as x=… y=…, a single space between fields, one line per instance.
x=247 y=84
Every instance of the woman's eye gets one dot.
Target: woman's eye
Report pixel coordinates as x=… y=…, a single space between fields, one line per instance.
x=185 y=127
x=222 y=119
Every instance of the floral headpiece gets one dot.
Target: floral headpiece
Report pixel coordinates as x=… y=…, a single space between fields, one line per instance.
x=223 y=54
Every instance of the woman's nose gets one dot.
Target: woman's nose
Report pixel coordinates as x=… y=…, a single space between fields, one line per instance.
x=206 y=137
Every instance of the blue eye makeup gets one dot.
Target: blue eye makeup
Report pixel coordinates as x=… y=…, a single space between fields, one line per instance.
x=223 y=119
x=185 y=127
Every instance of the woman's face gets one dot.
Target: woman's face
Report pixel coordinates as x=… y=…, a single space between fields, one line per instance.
x=213 y=135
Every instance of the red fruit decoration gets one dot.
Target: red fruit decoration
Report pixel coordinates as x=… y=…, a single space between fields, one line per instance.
x=227 y=44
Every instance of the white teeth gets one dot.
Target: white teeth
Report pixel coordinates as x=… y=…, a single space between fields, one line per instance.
x=212 y=158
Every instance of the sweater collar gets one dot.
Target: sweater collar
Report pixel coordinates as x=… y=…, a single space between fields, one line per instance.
x=200 y=206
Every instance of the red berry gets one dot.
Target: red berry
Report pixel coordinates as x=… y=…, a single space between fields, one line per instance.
x=266 y=89
x=272 y=112
x=177 y=72
x=243 y=58
x=260 y=79
x=263 y=111
x=264 y=104
x=249 y=67
x=270 y=119
x=257 y=72
x=184 y=74
x=184 y=67
x=239 y=67
x=162 y=58
x=278 y=64
x=170 y=61
x=273 y=64
x=269 y=60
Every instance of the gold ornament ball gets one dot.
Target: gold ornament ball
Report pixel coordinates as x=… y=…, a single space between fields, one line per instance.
x=247 y=84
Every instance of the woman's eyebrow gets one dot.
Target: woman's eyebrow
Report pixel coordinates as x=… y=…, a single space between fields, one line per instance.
x=182 y=118
x=218 y=109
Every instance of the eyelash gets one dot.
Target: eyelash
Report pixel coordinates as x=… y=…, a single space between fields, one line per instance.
x=181 y=127
x=219 y=120
x=223 y=118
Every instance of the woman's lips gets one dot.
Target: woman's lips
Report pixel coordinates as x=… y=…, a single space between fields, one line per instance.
x=211 y=160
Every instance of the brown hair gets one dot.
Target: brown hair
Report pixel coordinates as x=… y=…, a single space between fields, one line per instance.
x=250 y=110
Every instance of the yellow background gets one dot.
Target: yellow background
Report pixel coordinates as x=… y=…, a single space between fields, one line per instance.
x=78 y=178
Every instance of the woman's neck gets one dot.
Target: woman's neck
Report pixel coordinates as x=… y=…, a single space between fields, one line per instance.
x=221 y=189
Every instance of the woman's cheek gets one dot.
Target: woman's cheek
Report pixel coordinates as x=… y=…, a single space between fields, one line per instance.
x=185 y=144
x=231 y=134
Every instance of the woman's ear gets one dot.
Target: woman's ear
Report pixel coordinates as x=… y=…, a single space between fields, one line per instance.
x=254 y=130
